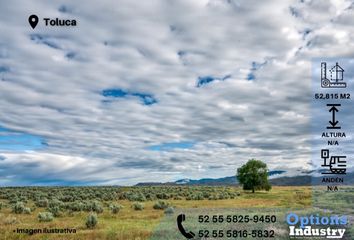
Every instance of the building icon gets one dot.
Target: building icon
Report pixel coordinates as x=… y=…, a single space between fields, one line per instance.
x=336 y=76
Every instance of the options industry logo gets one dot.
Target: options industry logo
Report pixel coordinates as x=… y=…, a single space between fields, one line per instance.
x=316 y=226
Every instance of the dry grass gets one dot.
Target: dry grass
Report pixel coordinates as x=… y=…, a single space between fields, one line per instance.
x=130 y=224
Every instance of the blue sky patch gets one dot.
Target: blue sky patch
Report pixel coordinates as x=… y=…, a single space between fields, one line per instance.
x=2 y=129
x=42 y=39
x=4 y=69
x=294 y=12
x=146 y=99
x=181 y=53
x=70 y=55
x=114 y=93
x=306 y=32
x=30 y=181
x=64 y=9
x=254 y=67
x=251 y=76
x=173 y=28
x=17 y=141
x=203 y=80
x=172 y=145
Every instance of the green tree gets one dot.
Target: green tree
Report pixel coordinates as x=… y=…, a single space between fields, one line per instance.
x=254 y=175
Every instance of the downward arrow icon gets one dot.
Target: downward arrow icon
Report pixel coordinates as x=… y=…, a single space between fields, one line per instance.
x=333 y=123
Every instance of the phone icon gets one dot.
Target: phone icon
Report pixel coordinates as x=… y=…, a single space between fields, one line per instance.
x=180 y=219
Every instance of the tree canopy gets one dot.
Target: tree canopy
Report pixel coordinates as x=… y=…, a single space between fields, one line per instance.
x=254 y=176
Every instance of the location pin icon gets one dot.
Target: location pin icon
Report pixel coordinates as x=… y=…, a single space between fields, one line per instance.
x=33 y=20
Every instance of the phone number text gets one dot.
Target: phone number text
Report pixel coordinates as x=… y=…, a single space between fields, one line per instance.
x=236 y=233
x=237 y=218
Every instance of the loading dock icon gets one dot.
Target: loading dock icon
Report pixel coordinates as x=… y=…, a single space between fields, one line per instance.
x=336 y=76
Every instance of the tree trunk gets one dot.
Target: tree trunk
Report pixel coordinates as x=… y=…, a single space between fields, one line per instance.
x=252 y=190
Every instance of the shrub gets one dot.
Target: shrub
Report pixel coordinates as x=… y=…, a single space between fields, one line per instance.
x=206 y=195
x=135 y=196
x=55 y=210
x=18 y=208
x=70 y=213
x=161 y=205
x=221 y=196
x=93 y=206
x=56 y=203
x=27 y=210
x=91 y=220
x=1 y=204
x=150 y=196
x=10 y=220
x=43 y=202
x=162 y=196
x=169 y=210
x=198 y=196
x=140 y=197
x=115 y=208
x=13 y=200
x=138 y=206
x=213 y=198
x=75 y=206
x=97 y=207
x=45 y=217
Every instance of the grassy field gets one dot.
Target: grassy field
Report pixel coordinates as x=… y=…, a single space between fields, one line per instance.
x=128 y=223
x=71 y=206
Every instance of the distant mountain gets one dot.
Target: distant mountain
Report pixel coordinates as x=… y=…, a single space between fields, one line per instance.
x=275 y=172
x=218 y=181
x=301 y=180
x=208 y=181
x=205 y=181
x=304 y=180
x=183 y=181
x=190 y=182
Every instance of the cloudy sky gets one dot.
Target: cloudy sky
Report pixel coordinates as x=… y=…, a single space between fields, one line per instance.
x=160 y=90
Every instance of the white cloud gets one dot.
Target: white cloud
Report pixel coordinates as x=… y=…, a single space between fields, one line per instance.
x=161 y=48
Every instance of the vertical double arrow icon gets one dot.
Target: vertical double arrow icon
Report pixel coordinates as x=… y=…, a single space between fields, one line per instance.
x=333 y=122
